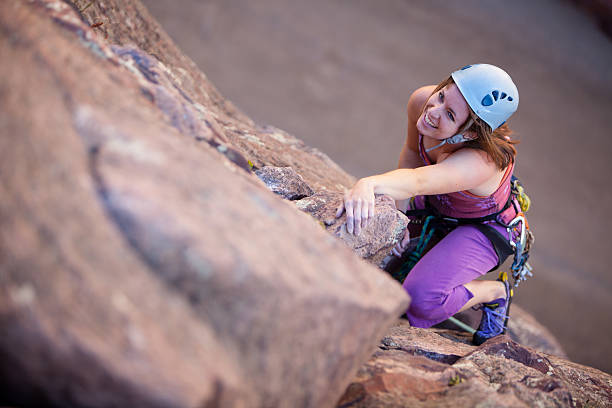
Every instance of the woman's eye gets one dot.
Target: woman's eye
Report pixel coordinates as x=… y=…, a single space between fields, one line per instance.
x=441 y=95
x=450 y=116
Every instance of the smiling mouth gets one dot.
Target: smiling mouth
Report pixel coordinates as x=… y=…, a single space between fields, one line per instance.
x=429 y=122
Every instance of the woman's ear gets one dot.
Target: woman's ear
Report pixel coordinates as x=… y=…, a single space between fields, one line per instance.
x=470 y=135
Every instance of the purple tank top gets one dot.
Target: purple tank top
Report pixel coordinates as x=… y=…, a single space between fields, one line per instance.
x=463 y=204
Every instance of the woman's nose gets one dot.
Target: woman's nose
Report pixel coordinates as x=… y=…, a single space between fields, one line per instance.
x=435 y=111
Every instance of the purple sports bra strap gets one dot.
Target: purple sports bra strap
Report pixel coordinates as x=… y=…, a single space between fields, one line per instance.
x=422 y=151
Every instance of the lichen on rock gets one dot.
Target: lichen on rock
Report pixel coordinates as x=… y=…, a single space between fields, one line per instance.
x=285 y=182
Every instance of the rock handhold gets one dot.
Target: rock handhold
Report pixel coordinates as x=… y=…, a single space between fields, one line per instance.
x=379 y=236
x=322 y=206
x=285 y=182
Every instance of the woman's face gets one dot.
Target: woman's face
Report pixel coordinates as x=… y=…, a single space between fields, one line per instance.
x=444 y=114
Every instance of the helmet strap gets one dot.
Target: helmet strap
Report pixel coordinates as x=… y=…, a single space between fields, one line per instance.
x=458 y=138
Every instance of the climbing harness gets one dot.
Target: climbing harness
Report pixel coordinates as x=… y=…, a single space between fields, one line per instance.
x=518 y=242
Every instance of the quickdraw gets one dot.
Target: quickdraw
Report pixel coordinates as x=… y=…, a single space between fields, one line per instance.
x=521 y=269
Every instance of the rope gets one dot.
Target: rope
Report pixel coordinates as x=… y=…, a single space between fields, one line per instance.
x=461 y=325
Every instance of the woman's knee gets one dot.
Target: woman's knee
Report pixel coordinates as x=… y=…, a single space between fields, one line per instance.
x=430 y=308
x=424 y=303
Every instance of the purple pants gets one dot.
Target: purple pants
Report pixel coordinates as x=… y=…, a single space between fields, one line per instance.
x=435 y=284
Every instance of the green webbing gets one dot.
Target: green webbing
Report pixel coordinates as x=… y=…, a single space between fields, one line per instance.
x=414 y=256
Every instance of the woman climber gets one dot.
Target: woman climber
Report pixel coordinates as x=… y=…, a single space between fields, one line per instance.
x=456 y=165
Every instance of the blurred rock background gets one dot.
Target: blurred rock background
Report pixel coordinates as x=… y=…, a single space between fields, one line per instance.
x=338 y=74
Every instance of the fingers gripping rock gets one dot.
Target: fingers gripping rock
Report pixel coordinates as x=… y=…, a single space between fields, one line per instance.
x=384 y=229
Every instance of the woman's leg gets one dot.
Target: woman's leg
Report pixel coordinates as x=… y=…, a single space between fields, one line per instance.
x=441 y=283
x=484 y=292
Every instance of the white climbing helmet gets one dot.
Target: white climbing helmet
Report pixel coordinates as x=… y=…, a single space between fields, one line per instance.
x=489 y=91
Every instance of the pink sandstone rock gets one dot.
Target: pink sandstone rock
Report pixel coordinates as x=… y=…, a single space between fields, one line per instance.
x=285 y=182
x=142 y=263
x=375 y=241
x=439 y=368
x=522 y=328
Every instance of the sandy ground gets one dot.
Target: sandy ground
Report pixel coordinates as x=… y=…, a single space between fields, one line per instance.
x=338 y=74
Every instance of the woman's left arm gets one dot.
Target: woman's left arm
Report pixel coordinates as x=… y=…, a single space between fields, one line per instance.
x=464 y=169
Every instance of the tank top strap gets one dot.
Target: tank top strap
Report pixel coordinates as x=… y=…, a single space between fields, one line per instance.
x=422 y=151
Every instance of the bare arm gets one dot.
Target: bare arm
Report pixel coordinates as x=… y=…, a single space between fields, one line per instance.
x=464 y=169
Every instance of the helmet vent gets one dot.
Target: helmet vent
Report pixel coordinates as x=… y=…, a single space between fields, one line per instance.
x=487 y=100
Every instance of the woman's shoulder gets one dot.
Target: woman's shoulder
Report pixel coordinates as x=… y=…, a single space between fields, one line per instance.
x=473 y=160
x=478 y=161
x=418 y=99
x=472 y=154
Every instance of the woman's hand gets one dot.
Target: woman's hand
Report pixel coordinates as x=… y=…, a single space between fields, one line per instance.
x=359 y=205
x=400 y=247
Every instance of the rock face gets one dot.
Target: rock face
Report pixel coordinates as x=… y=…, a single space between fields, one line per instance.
x=522 y=328
x=285 y=182
x=440 y=368
x=142 y=263
x=375 y=240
